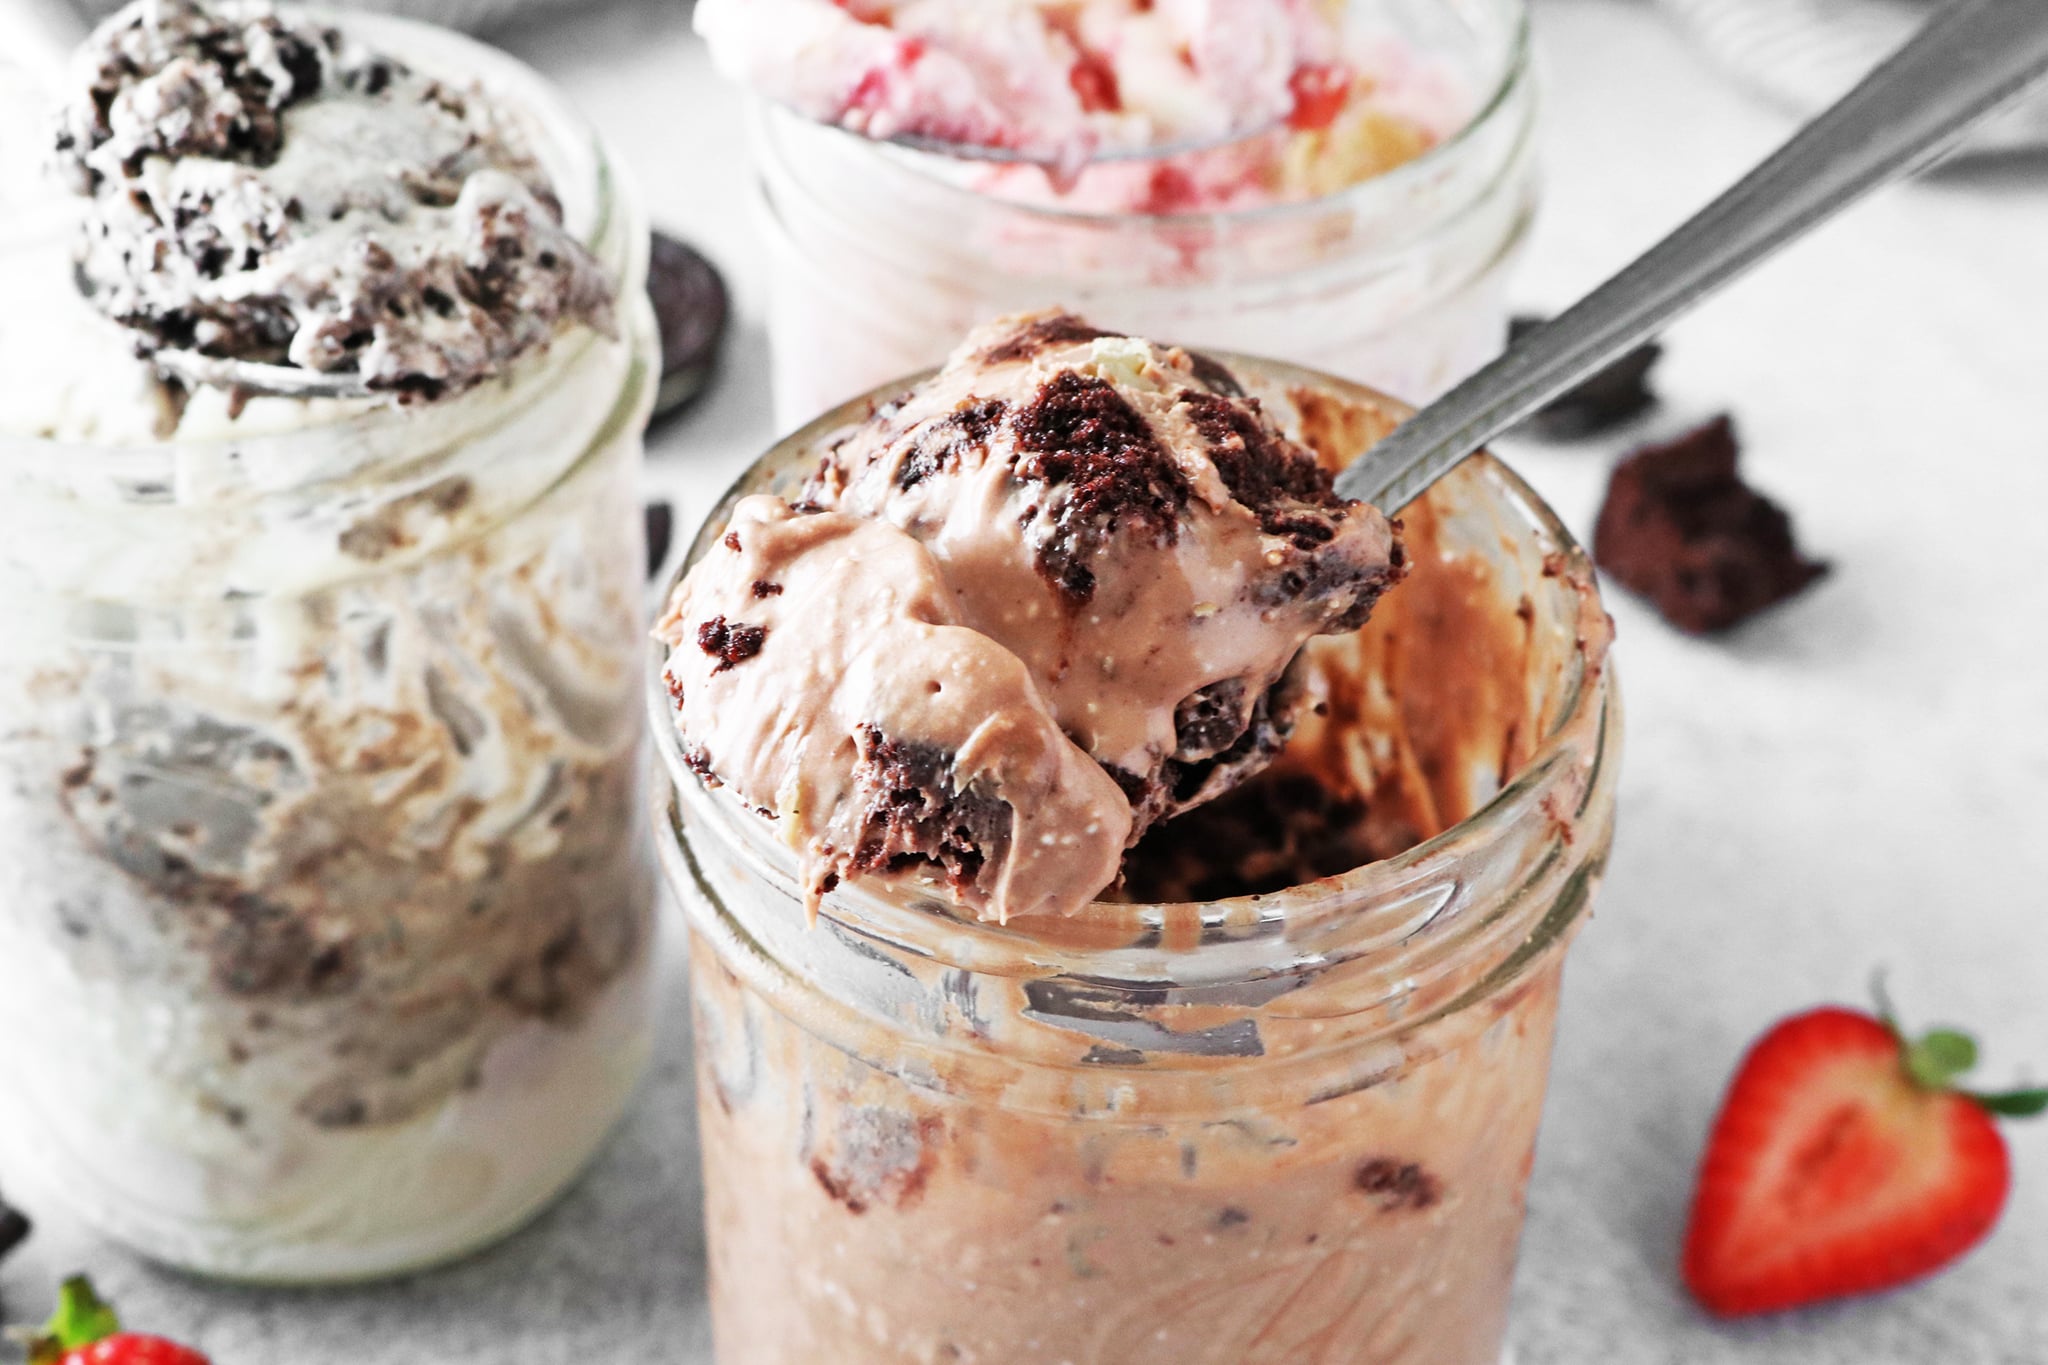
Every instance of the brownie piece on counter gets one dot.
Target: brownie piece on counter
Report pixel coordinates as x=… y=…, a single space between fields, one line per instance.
x=1683 y=530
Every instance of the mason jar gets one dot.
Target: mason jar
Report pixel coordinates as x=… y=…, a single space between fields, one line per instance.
x=883 y=257
x=325 y=907
x=1265 y=1116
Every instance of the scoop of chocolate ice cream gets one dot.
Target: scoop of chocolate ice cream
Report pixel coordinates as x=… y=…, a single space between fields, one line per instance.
x=1135 y=529
x=820 y=671
x=264 y=188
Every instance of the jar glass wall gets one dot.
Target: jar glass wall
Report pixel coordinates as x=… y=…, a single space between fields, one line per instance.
x=883 y=257
x=1286 y=1126
x=325 y=917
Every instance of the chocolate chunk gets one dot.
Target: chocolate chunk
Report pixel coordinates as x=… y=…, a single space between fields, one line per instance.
x=1078 y=433
x=1397 y=1184
x=1608 y=399
x=661 y=529
x=1682 y=529
x=732 y=643
x=691 y=311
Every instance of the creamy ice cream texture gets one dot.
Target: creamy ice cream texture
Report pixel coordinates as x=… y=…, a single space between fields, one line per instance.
x=1054 y=82
x=264 y=188
x=1035 y=605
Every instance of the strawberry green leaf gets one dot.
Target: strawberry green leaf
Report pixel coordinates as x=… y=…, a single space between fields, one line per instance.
x=82 y=1317
x=1936 y=1059
x=2016 y=1104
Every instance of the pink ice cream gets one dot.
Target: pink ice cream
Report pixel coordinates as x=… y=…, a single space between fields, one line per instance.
x=1042 y=601
x=1059 y=83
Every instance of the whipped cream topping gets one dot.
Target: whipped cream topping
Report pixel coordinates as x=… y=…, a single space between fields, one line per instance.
x=1051 y=598
x=1059 y=83
x=265 y=188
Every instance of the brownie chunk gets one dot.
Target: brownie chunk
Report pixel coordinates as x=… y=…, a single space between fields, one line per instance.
x=1682 y=529
x=913 y=814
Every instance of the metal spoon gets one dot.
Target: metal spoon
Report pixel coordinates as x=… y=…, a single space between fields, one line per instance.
x=1970 y=60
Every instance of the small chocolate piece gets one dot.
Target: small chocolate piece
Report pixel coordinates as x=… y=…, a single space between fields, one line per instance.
x=14 y=1228
x=1682 y=529
x=690 y=310
x=1608 y=399
x=661 y=529
x=732 y=643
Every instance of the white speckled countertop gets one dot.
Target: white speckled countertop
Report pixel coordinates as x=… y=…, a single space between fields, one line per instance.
x=1859 y=778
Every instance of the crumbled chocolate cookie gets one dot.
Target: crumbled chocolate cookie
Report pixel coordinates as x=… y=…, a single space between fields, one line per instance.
x=1682 y=529
x=691 y=309
x=1608 y=399
x=263 y=188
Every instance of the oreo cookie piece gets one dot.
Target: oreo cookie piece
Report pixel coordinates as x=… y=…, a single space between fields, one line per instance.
x=661 y=530
x=691 y=309
x=14 y=1228
x=1682 y=529
x=1608 y=399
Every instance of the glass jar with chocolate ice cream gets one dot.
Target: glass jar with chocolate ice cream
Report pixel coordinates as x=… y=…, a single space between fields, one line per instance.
x=325 y=916
x=1339 y=183
x=1129 y=884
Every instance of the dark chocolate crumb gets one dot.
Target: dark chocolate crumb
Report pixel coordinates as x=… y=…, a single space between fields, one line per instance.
x=1682 y=529
x=731 y=643
x=1608 y=399
x=1397 y=1184
x=1232 y=1218
x=732 y=541
x=763 y=588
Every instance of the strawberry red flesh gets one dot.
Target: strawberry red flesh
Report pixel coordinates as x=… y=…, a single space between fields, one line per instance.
x=1831 y=1172
x=1320 y=94
x=133 y=1348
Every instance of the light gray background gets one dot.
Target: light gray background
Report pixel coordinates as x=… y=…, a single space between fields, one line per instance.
x=1859 y=778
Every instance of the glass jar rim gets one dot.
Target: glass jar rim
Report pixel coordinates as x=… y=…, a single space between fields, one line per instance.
x=1381 y=908
x=565 y=136
x=1514 y=73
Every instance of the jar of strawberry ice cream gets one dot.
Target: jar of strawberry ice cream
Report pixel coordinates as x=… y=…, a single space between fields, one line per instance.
x=1340 y=183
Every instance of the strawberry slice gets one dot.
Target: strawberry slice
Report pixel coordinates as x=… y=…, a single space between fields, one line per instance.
x=1845 y=1161
x=85 y=1331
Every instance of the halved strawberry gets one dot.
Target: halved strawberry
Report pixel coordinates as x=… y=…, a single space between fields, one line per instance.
x=85 y=1331
x=1845 y=1161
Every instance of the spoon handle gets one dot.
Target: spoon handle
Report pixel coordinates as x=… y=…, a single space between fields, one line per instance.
x=1970 y=59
